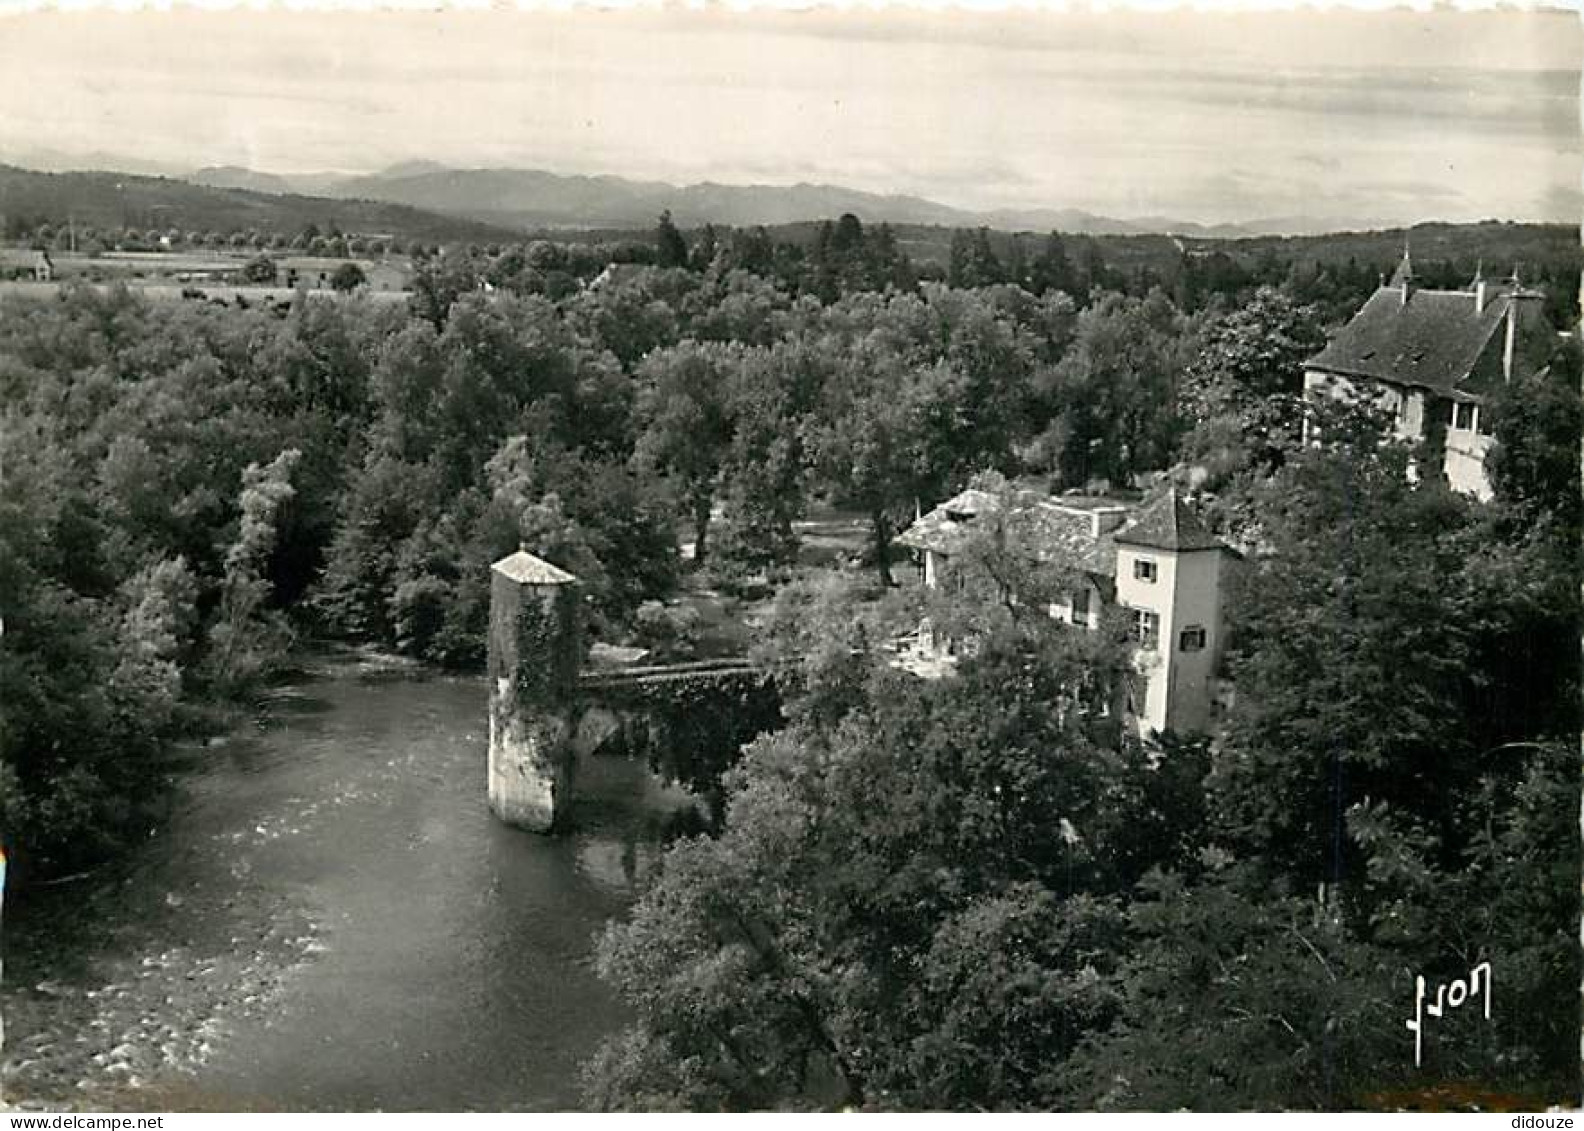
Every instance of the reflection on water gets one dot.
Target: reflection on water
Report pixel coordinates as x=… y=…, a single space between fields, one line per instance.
x=334 y=920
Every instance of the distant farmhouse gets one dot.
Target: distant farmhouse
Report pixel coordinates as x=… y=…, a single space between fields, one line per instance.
x=1434 y=357
x=315 y=272
x=616 y=274
x=152 y=270
x=1156 y=561
x=21 y=263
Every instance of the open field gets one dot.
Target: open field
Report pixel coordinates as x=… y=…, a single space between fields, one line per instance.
x=226 y=293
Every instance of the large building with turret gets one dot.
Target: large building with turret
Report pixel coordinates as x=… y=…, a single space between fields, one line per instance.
x=1433 y=358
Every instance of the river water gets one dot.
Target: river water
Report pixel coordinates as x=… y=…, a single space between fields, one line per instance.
x=332 y=920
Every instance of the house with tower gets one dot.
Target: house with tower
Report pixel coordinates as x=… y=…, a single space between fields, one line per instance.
x=1156 y=561
x=1432 y=358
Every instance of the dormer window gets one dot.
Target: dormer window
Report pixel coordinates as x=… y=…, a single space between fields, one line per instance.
x=1144 y=569
x=1463 y=416
x=1191 y=639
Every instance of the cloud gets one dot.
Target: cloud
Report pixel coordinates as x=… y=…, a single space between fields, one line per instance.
x=1206 y=117
x=1563 y=203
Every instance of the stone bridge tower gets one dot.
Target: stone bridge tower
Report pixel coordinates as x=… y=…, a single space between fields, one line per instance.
x=535 y=650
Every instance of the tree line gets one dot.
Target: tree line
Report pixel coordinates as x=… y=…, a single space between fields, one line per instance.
x=603 y=418
x=955 y=894
x=973 y=893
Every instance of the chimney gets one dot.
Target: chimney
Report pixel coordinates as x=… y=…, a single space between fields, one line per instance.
x=1512 y=338
x=1106 y=519
x=1510 y=347
x=1480 y=292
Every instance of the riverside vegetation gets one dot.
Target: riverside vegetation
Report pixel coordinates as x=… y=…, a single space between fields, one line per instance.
x=952 y=894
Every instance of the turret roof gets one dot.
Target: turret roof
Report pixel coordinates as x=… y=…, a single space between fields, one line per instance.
x=1167 y=522
x=529 y=570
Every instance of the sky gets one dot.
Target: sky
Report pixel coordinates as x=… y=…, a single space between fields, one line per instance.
x=1379 y=117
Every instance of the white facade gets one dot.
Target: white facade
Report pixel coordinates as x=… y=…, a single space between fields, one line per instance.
x=1467 y=443
x=1081 y=607
x=1433 y=358
x=1179 y=631
x=1466 y=440
x=1173 y=598
x=1405 y=404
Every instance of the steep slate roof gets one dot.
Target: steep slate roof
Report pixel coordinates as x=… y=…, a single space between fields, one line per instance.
x=1061 y=534
x=1435 y=340
x=1052 y=530
x=529 y=570
x=1167 y=523
x=946 y=528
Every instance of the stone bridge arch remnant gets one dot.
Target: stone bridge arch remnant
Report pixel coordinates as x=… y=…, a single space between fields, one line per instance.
x=545 y=712
x=535 y=651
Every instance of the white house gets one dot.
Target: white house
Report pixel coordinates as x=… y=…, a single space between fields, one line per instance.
x=1156 y=561
x=26 y=263
x=1169 y=572
x=1432 y=358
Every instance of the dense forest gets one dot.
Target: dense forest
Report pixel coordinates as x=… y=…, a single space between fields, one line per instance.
x=922 y=894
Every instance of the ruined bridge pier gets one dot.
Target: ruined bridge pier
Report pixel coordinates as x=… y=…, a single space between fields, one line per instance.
x=535 y=643
x=544 y=713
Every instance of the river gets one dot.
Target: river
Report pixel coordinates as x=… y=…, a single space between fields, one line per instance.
x=332 y=920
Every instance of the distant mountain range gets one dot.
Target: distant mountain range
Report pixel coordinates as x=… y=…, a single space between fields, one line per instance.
x=533 y=199
x=490 y=209
x=436 y=203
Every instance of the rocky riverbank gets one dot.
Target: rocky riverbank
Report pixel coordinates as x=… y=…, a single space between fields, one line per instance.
x=330 y=919
x=132 y=1028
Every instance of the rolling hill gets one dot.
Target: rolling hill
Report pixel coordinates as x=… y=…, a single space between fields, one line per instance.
x=494 y=204
x=441 y=205
x=530 y=199
x=121 y=200
x=536 y=200
x=237 y=177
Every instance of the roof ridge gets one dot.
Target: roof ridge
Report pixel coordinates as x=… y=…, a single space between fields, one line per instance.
x=528 y=569
x=1436 y=339
x=1168 y=522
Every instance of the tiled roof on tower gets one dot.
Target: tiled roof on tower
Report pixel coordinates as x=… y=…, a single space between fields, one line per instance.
x=525 y=568
x=1167 y=522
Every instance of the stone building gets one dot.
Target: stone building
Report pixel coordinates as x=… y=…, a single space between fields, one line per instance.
x=1432 y=358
